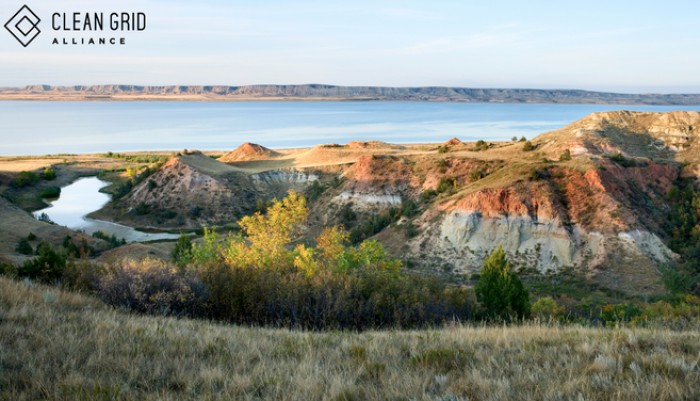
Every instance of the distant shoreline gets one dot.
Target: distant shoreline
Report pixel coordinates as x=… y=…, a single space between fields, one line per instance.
x=314 y=92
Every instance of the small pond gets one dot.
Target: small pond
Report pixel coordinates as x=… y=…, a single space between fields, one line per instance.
x=83 y=197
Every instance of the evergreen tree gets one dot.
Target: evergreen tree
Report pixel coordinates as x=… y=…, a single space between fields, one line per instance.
x=500 y=290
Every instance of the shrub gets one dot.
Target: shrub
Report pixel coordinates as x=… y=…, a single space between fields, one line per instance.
x=24 y=247
x=481 y=145
x=409 y=208
x=443 y=149
x=565 y=156
x=152 y=286
x=111 y=239
x=446 y=184
x=622 y=160
x=546 y=308
x=50 y=192
x=522 y=139
x=314 y=191
x=528 y=146
x=141 y=209
x=428 y=195
x=476 y=175
x=613 y=313
x=48 y=174
x=25 y=179
x=500 y=290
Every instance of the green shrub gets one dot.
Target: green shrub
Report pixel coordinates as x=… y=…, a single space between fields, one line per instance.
x=446 y=184
x=24 y=247
x=480 y=146
x=528 y=146
x=315 y=190
x=622 y=160
x=476 y=175
x=25 y=179
x=619 y=313
x=428 y=195
x=111 y=239
x=565 y=156
x=142 y=209
x=50 y=192
x=443 y=149
x=546 y=308
x=48 y=174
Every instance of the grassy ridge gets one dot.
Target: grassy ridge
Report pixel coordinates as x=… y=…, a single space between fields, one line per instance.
x=56 y=345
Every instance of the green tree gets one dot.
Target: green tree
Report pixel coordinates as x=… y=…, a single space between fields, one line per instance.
x=500 y=290
x=182 y=253
x=47 y=266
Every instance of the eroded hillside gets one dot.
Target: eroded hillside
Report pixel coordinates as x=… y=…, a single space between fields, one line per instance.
x=591 y=196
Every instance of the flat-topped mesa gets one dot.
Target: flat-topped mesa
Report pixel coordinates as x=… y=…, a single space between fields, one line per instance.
x=334 y=92
x=248 y=152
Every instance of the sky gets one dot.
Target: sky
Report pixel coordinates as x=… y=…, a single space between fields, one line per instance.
x=622 y=46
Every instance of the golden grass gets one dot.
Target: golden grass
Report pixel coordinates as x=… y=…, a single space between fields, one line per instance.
x=56 y=345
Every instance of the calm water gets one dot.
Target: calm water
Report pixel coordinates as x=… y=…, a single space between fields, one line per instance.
x=32 y=128
x=83 y=197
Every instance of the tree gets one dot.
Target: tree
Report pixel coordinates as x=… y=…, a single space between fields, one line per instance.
x=500 y=290
x=182 y=253
x=269 y=234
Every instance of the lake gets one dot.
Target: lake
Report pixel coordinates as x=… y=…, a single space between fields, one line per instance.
x=38 y=127
x=83 y=197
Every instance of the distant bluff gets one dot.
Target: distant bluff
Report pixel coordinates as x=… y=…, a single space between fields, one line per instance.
x=335 y=92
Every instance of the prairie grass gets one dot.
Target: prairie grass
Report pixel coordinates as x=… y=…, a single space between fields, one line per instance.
x=57 y=345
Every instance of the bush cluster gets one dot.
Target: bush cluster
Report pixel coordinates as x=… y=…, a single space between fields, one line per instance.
x=263 y=278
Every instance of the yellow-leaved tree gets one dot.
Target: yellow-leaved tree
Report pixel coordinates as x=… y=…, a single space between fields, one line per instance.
x=266 y=242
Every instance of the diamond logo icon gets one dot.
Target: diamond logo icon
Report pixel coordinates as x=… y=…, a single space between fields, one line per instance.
x=24 y=26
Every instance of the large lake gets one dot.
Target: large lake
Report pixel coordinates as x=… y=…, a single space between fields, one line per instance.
x=34 y=128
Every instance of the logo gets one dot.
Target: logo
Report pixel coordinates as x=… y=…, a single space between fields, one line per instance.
x=24 y=26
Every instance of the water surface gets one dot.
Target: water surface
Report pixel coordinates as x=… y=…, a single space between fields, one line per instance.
x=37 y=128
x=83 y=197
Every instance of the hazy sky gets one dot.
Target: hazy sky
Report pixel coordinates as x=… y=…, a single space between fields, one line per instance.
x=626 y=46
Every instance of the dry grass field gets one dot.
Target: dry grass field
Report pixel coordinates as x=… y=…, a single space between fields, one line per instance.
x=56 y=345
